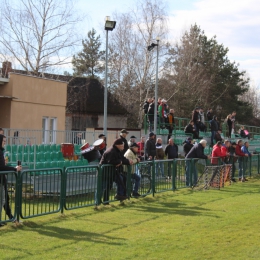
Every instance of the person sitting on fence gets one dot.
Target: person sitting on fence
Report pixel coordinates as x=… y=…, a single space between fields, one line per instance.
x=159 y=157
x=4 y=197
x=245 y=150
x=170 y=122
x=131 y=140
x=244 y=133
x=196 y=152
x=132 y=154
x=114 y=156
x=190 y=129
x=217 y=154
x=218 y=137
x=187 y=145
x=171 y=151
x=241 y=160
x=141 y=147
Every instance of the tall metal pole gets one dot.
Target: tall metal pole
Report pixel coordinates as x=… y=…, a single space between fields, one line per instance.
x=156 y=91
x=105 y=91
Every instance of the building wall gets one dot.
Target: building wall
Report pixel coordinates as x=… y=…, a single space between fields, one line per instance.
x=113 y=121
x=37 y=98
x=5 y=111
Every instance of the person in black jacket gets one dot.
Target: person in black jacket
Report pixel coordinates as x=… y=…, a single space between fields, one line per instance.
x=114 y=156
x=171 y=151
x=190 y=129
x=146 y=105
x=187 y=145
x=123 y=135
x=197 y=151
x=150 y=148
x=196 y=119
x=229 y=123
x=214 y=128
x=210 y=114
x=4 y=197
x=151 y=115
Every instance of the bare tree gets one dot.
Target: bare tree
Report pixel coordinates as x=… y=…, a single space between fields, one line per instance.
x=39 y=34
x=132 y=67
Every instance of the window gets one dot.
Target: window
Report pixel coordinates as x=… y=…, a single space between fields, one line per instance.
x=49 y=126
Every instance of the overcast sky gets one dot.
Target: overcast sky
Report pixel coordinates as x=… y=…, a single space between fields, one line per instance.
x=236 y=23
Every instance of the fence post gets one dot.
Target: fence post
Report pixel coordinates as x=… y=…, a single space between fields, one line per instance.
x=258 y=163
x=250 y=166
x=174 y=173
x=99 y=186
x=18 y=196
x=191 y=170
x=63 y=189
x=128 y=181
x=153 y=177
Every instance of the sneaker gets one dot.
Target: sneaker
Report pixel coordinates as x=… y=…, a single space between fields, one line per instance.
x=234 y=180
x=242 y=179
x=120 y=197
x=239 y=179
x=136 y=194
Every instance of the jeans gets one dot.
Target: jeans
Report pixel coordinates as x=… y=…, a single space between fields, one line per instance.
x=2 y=197
x=240 y=167
x=121 y=184
x=136 y=178
x=194 y=174
x=169 y=169
x=212 y=136
x=160 y=165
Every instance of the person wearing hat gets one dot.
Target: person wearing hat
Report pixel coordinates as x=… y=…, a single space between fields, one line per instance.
x=131 y=140
x=113 y=155
x=132 y=154
x=187 y=145
x=150 y=149
x=123 y=135
x=102 y=136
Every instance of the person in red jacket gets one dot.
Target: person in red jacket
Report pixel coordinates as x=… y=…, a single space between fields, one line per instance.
x=240 y=155
x=224 y=150
x=216 y=153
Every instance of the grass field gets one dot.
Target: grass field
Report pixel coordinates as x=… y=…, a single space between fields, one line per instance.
x=184 y=224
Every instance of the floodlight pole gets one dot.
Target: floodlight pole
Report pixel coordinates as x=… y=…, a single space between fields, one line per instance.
x=156 y=90
x=105 y=90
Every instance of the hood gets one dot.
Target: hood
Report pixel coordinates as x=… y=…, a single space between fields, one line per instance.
x=1 y=141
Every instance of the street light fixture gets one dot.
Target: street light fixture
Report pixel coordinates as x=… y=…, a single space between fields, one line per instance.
x=109 y=26
x=151 y=47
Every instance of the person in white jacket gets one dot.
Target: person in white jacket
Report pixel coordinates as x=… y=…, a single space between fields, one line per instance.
x=132 y=154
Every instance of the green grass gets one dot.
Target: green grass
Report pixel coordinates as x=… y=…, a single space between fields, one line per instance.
x=186 y=224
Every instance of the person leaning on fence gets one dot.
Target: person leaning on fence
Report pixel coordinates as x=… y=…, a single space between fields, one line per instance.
x=123 y=135
x=132 y=155
x=241 y=160
x=225 y=151
x=114 y=156
x=171 y=151
x=4 y=197
x=233 y=158
x=150 y=149
x=131 y=140
x=187 y=145
x=159 y=157
x=196 y=152
x=245 y=150
x=217 y=154
x=141 y=147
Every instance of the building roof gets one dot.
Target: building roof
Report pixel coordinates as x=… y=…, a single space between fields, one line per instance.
x=86 y=96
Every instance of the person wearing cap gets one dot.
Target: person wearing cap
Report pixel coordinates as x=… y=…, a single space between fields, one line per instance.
x=150 y=149
x=159 y=157
x=102 y=136
x=132 y=154
x=113 y=155
x=141 y=146
x=171 y=151
x=123 y=135
x=131 y=140
x=187 y=145
x=196 y=152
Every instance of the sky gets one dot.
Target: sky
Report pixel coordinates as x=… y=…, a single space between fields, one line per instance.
x=236 y=23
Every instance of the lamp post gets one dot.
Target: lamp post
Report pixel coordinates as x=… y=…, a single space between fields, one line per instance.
x=150 y=47
x=109 y=26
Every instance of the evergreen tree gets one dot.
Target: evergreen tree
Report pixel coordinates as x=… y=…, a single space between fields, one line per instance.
x=90 y=61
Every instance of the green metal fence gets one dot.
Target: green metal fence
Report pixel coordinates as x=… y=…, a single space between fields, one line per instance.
x=40 y=192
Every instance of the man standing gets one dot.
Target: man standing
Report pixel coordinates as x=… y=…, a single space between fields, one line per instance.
x=114 y=156
x=196 y=119
x=150 y=149
x=123 y=135
x=233 y=119
x=171 y=122
x=240 y=160
x=213 y=128
x=159 y=157
x=210 y=114
x=245 y=150
x=146 y=105
x=187 y=145
x=171 y=151
x=132 y=154
x=197 y=151
x=131 y=140
x=151 y=114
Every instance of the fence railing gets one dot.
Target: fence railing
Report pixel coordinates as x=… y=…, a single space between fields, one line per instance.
x=39 y=192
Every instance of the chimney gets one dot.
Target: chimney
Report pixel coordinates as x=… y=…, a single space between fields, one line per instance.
x=6 y=68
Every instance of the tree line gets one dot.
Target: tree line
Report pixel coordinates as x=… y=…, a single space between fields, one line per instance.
x=193 y=71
